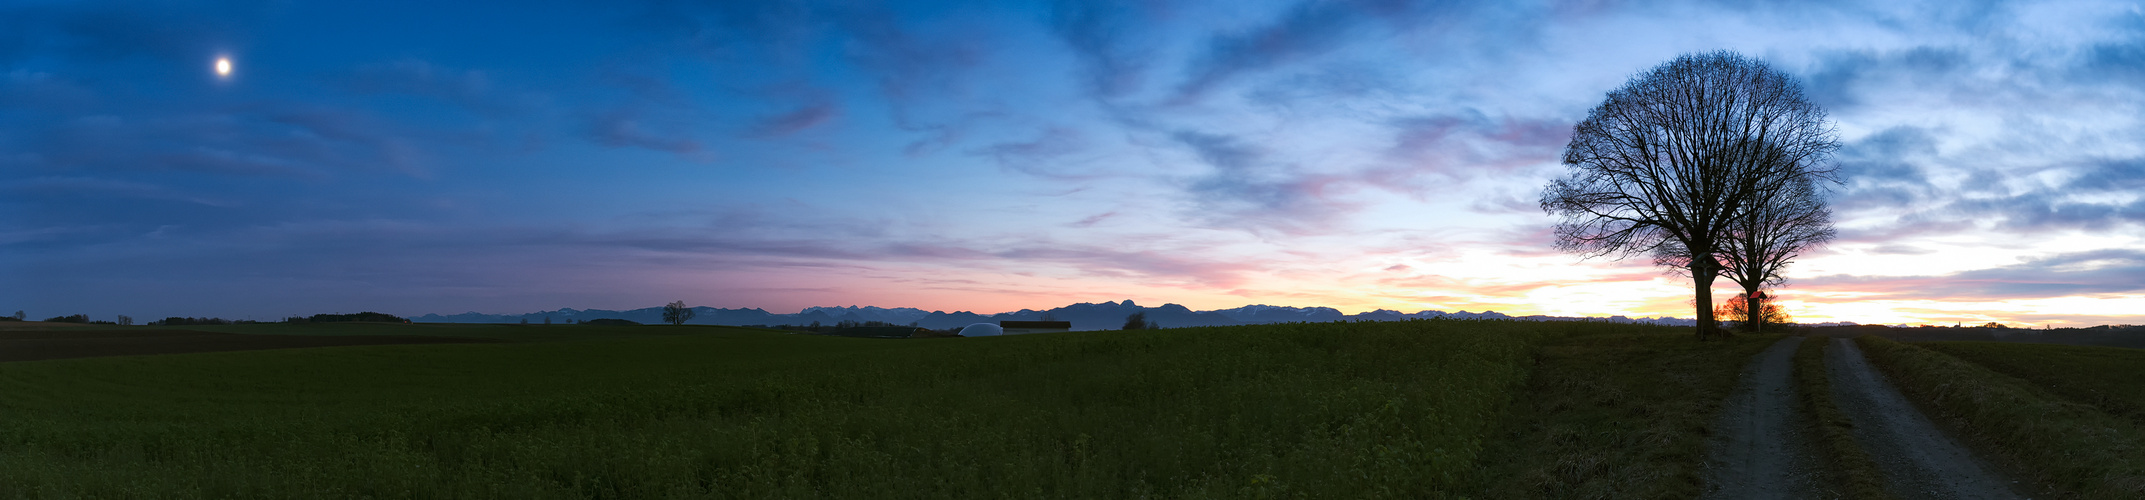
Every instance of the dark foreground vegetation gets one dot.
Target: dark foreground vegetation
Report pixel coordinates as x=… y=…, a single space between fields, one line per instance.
x=1437 y=409
x=2075 y=447
x=2111 y=380
x=1614 y=411
x=1327 y=410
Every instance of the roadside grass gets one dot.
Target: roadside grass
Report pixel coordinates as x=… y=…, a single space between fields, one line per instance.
x=2070 y=446
x=1615 y=411
x=2109 y=378
x=1845 y=463
x=1348 y=410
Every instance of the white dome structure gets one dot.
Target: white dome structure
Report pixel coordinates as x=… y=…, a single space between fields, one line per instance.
x=982 y=330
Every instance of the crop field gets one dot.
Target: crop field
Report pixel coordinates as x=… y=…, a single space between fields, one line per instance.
x=1321 y=410
x=2109 y=378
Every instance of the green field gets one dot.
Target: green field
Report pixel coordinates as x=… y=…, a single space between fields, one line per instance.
x=2109 y=378
x=1326 y=410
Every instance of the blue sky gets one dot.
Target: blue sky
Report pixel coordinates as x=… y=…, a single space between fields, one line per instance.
x=507 y=157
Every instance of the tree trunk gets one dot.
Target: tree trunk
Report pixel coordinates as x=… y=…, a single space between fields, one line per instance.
x=1756 y=316
x=1703 y=278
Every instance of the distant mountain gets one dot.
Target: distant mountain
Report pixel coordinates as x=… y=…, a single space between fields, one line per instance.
x=1084 y=316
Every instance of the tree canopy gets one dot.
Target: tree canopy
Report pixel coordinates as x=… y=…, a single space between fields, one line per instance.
x=1669 y=161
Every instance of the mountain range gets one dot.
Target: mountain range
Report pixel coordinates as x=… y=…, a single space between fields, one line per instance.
x=1084 y=316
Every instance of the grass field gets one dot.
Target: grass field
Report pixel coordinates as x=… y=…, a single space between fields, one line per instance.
x=1615 y=411
x=2109 y=378
x=2068 y=445
x=1327 y=410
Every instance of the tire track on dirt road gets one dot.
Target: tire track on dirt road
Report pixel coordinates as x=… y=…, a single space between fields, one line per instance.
x=1760 y=450
x=1918 y=460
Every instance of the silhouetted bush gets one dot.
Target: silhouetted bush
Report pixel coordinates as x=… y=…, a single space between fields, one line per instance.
x=611 y=322
x=78 y=318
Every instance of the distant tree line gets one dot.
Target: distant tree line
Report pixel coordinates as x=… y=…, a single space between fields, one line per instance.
x=184 y=321
x=78 y=318
x=367 y=316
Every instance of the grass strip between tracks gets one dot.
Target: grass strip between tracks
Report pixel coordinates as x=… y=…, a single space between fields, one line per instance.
x=2068 y=446
x=1844 y=460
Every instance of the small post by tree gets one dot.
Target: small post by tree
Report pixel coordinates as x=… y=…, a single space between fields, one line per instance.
x=676 y=313
x=1672 y=158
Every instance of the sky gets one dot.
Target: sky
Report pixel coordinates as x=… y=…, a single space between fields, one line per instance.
x=509 y=157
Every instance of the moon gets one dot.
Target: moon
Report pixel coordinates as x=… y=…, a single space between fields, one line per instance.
x=223 y=67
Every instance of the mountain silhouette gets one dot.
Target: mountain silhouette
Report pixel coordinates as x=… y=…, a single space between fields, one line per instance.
x=1084 y=316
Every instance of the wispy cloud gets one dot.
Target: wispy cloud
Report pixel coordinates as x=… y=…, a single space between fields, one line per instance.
x=2081 y=273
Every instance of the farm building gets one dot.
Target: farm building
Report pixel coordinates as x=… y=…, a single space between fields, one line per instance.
x=1020 y=327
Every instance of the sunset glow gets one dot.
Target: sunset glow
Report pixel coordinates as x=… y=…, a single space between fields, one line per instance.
x=1007 y=155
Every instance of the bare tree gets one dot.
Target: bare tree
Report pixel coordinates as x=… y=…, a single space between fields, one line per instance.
x=676 y=313
x=1765 y=239
x=125 y=320
x=1671 y=158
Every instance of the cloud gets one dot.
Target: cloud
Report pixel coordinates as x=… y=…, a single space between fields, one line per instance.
x=1040 y=155
x=624 y=128
x=1308 y=29
x=798 y=120
x=1841 y=78
x=74 y=186
x=262 y=140
x=1091 y=220
x=471 y=89
x=2082 y=273
x=125 y=30
x=1249 y=190
x=1470 y=142
x=1096 y=32
x=1179 y=264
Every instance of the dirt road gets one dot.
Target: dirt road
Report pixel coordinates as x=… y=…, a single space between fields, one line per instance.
x=1918 y=461
x=30 y=345
x=1760 y=450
